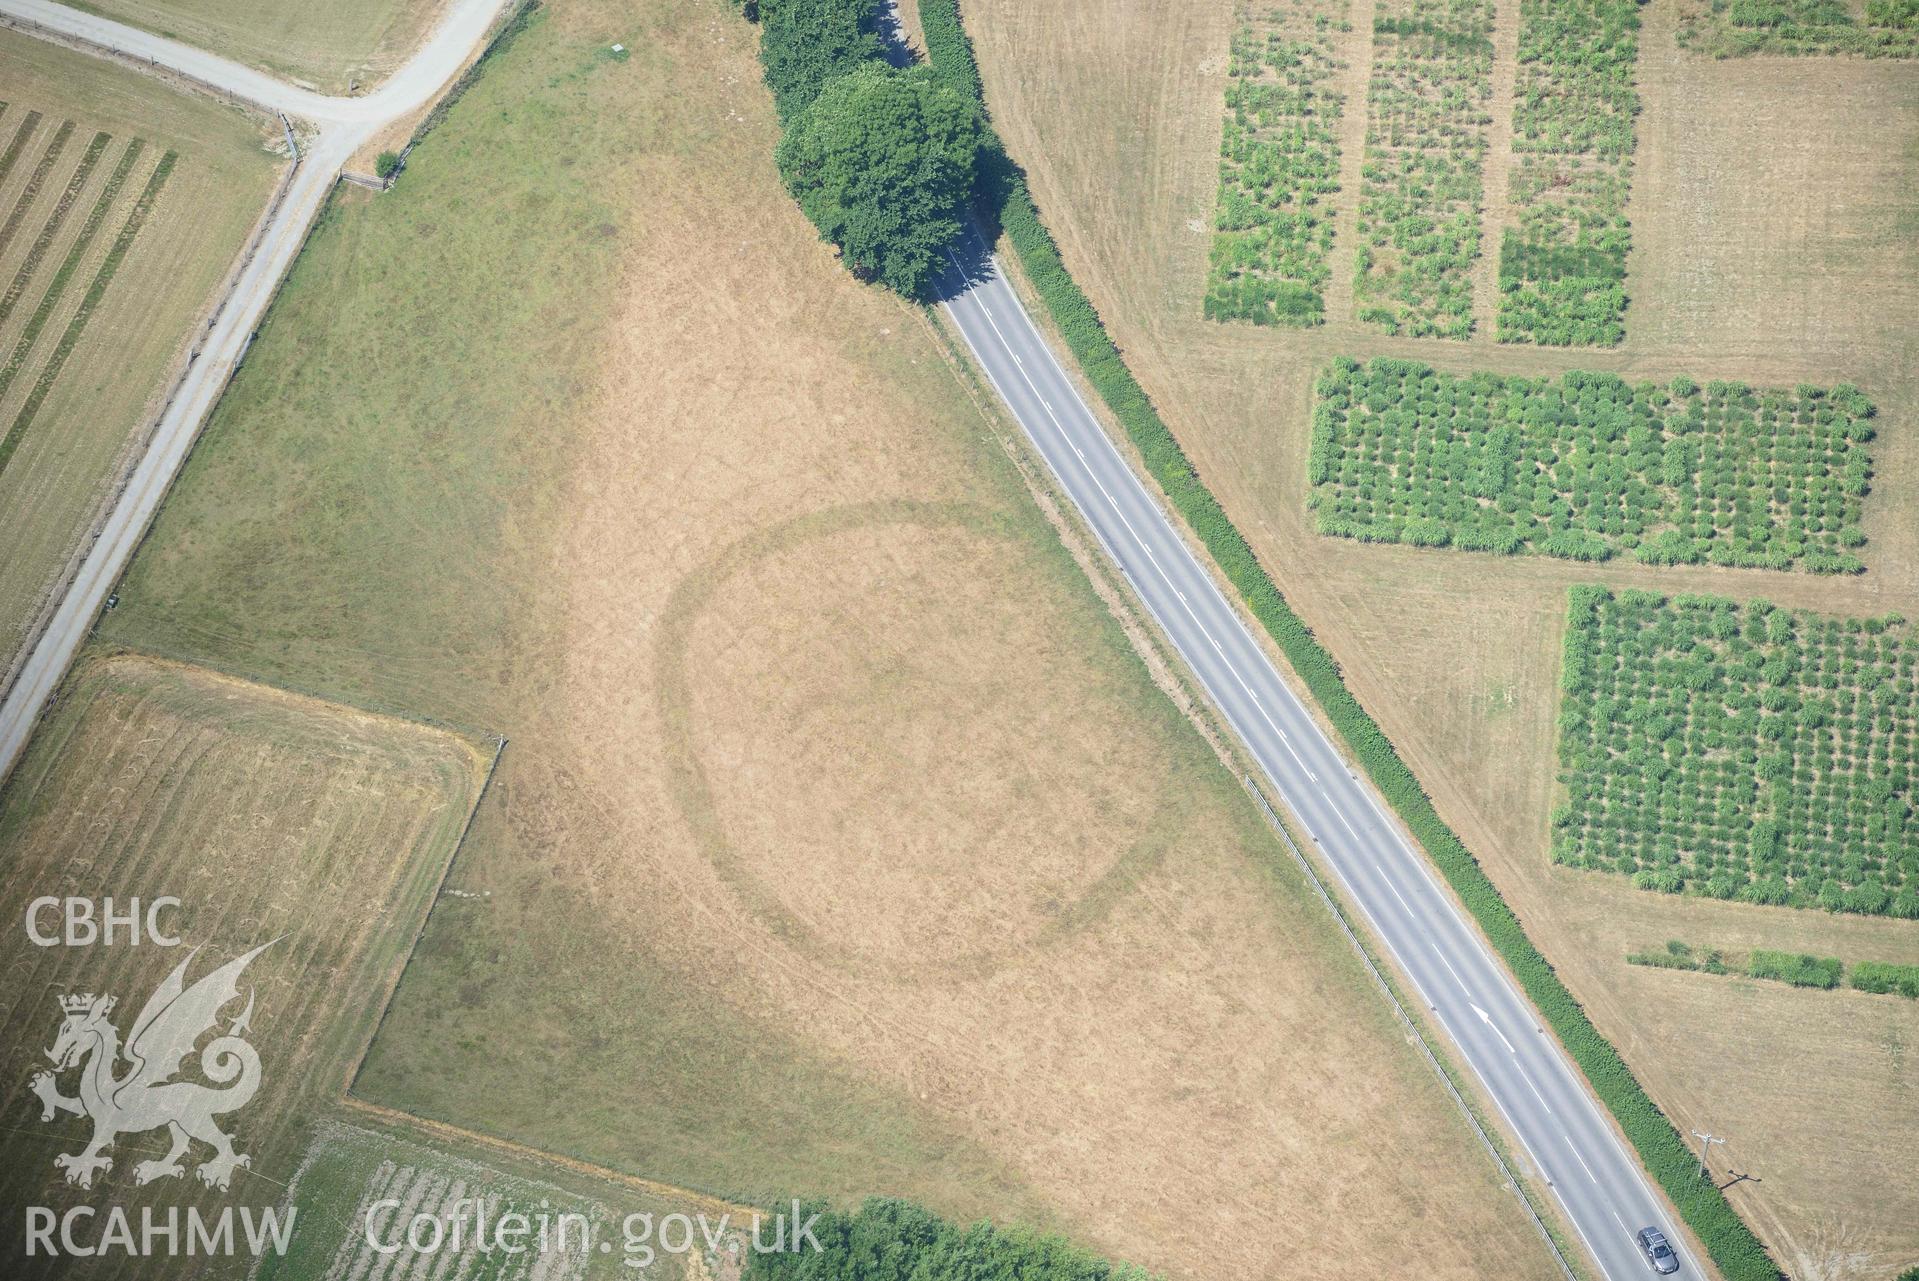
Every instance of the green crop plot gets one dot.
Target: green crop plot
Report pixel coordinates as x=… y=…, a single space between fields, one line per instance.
x=1562 y=264
x=1422 y=186
x=1588 y=466
x=1733 y=28
x=1278 y=162
x=1740 y=751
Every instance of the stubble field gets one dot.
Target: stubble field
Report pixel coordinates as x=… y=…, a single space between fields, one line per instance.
x=123 y=203
x=316 y=830
x=843 y=844
x=1774 y=229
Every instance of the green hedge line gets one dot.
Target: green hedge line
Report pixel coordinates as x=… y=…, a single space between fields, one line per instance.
x=892 y=1240
x=1882 y=976
x=1737 y=1252
x=1795 y=968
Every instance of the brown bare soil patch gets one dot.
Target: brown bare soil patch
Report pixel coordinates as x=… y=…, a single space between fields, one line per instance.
x=1775 y=231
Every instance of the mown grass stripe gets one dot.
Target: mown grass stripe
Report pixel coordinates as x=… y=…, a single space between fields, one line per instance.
x=24 y=201
x=55 y=221
x=68 y=266
x=1739 y=1254
x=122 y=244
x=19 y=143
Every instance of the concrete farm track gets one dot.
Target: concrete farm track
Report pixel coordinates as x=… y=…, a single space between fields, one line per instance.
x=341 y=126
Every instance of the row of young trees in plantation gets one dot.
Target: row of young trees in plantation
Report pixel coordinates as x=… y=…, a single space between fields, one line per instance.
x=1732 y=28
x=881 y=159
x=1422 y=185
x=1588 y=466
x=1278 y=168
x=1741 y=751
x=1562 y=265
x=1796 y=968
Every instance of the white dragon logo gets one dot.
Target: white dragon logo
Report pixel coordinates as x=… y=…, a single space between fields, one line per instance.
x=146 y=1097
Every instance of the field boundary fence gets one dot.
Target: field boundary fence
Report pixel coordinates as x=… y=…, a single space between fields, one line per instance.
x=419 y=931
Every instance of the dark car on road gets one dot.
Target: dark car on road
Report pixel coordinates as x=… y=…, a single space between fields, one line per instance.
x=1659 y=1251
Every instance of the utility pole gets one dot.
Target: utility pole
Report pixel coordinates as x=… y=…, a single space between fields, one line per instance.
x=1705 y=1142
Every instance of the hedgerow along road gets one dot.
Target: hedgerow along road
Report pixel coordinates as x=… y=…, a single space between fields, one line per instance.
x=1565 y=1132
x=340 y=127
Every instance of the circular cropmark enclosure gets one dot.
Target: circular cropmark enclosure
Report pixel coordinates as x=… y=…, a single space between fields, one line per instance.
x=863 y=723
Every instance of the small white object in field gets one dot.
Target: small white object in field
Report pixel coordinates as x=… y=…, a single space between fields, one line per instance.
x=619 y=48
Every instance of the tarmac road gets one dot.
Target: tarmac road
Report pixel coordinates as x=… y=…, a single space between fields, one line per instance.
x=1566 y=1134
x=344 y=125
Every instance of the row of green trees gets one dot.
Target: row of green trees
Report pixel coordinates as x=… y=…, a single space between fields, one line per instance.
x=1732 y=28
x=882 y=159
x=1736 y=1252
x=1587 y=466
x=1278 y=167
x=1800 y=969
x=1562 y=267
x=892 y=1240
x=1797 y=968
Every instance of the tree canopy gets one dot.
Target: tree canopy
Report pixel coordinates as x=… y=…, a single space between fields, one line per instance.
x=883 y=162
x=890 y=1240
x=805 y=44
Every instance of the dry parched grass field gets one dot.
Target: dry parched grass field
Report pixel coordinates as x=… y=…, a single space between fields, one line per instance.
x=274 y=819
x=122 y=204
x=1776 y=240
x=843 y=844
x=339 y=46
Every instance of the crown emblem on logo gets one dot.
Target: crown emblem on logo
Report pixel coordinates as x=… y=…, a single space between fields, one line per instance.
x=82 y=1002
